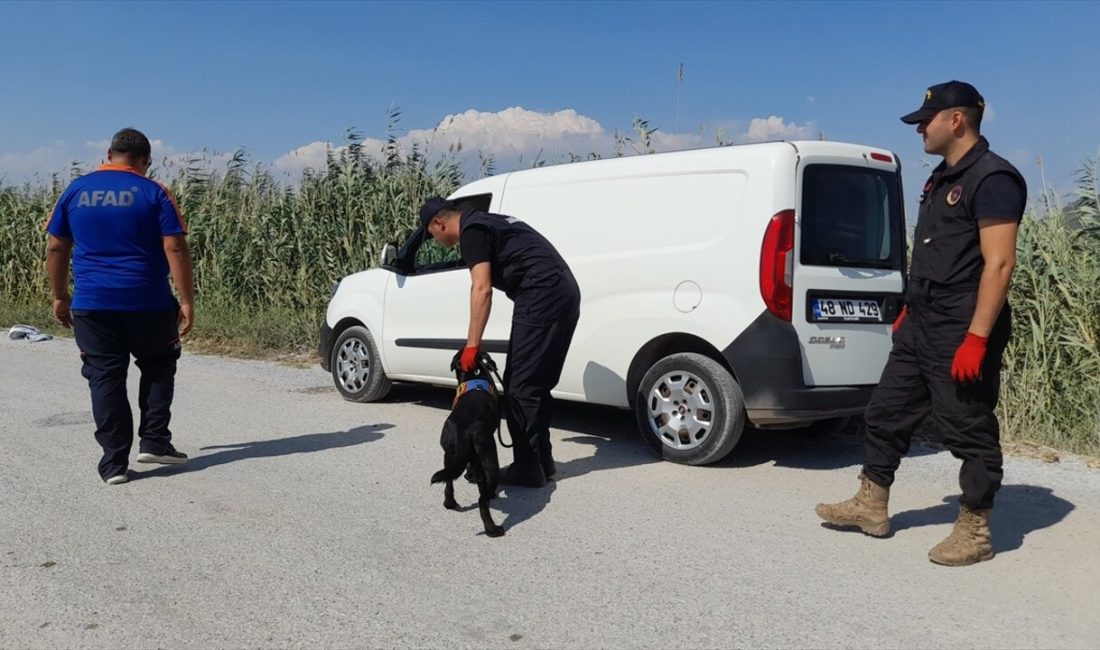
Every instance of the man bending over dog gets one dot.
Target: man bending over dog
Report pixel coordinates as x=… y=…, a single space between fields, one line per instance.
x=507 y=254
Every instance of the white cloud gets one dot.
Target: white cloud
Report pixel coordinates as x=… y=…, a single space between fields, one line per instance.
x=988 y=114
x=59 y=156
x=515 y=137
x=516 y=134
x=511 y=130
x=775 y=128
x=55 y=157
x=511 y=134
x=310 y=156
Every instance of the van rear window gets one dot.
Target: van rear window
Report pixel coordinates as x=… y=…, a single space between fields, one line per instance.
x=851 y=217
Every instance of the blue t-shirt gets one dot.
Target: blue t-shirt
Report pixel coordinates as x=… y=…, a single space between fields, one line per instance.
x=117 y=219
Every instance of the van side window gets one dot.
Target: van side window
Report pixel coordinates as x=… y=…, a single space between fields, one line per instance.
x=432 y=257
x=851 y=217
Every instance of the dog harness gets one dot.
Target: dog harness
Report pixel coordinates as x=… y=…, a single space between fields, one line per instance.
x=472 y=385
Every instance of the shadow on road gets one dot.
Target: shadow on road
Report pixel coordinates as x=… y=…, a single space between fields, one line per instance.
x=520 y=504
x=817 y=448
x=302 y=444
x=421 y=394
x=612 y=442
x=614 y=447
x=1020 y=509
x=614 y=434
x=574 y=417
x=611 y=431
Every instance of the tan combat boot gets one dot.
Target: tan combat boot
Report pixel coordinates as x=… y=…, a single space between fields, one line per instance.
x=866 y=510
x=969 y=542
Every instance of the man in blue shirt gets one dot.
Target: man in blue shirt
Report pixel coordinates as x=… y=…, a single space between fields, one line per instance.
x=124 y=234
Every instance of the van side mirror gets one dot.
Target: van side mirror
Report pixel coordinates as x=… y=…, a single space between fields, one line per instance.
x=389 y=254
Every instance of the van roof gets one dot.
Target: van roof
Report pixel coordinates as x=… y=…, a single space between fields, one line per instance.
x=702 y=159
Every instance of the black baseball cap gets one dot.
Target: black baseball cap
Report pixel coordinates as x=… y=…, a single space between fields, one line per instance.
x=953 y=94
x=431 y=208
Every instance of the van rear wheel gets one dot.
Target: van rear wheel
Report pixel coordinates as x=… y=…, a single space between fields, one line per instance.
x=690 y=409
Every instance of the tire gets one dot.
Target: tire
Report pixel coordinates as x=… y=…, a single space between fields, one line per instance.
x=357 y=366
x=681 y=386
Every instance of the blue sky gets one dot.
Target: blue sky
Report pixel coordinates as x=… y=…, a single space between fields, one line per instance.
x=278 y=77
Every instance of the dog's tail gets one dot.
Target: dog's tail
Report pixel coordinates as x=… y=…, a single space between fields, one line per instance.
x=445 y=475
x=454 y=461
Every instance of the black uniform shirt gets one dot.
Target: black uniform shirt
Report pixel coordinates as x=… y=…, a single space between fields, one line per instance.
x=999 y=197
x=525 y=266
x=476 y=244
x=947 y=241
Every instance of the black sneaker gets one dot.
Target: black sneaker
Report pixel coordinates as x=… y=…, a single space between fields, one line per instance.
x=169 y=457
x=523 y=475
x=117 y=479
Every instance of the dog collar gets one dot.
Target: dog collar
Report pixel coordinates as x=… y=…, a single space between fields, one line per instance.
x=472 y=385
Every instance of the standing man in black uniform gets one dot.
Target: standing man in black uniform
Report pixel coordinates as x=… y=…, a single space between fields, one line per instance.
x=505 y=253
x=949 y=340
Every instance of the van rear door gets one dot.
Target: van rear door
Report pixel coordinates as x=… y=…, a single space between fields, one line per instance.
x=848 y=267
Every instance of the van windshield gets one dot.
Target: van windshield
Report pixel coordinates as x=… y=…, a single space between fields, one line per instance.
x=851 y=217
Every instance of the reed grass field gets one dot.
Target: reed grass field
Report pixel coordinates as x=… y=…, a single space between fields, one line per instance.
x=266 y=254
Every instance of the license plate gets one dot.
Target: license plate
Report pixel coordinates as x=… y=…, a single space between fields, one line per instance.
x=846 y=310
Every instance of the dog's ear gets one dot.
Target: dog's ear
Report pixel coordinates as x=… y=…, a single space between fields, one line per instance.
x=454 y=361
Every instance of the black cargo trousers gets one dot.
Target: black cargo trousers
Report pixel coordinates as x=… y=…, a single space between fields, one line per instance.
x=916 y=383
x=543 y=322
x=106 y=340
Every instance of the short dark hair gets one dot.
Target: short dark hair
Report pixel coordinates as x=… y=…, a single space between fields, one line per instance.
x=132 y=144
x=972 y=115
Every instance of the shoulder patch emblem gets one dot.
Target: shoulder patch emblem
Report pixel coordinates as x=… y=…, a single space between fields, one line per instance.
x=954 y=195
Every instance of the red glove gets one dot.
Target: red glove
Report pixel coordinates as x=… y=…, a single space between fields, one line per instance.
x=468 y=361
x=967 y=365
x=901 y=317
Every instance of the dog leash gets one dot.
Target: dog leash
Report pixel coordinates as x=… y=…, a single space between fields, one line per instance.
x=500 y=431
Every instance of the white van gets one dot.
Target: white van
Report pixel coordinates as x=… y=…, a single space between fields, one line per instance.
x=751 y=284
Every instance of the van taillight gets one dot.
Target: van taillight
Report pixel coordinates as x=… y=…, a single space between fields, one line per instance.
x=777 y=264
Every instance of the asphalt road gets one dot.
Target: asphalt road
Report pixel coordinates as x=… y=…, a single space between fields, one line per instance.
x=304 y=520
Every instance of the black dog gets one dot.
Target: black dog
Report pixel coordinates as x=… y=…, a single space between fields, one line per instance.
x=467 y=438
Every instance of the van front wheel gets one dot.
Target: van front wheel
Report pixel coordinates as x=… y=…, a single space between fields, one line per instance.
x=357 y=366
x=690 y=409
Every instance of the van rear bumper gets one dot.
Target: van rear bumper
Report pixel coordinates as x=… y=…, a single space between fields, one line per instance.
x=826 y=403
x=767 y=363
